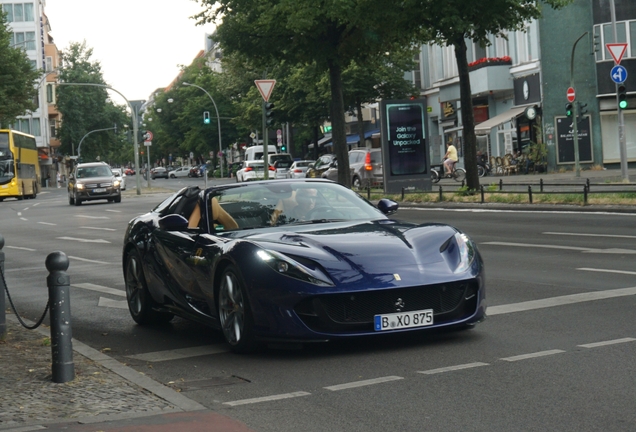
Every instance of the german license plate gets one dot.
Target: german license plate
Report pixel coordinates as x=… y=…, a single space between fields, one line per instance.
x=98 y=190
x=402 y=320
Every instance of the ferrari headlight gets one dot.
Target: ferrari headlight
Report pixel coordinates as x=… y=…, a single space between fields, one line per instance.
x=466 y=252
x=289 y=267
x=79 y=186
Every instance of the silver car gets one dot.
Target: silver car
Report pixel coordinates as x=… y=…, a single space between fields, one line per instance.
x=119 y=175
x=298 y=169
x=365 y=165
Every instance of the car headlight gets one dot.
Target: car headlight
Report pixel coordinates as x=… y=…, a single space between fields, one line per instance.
x=79 y=186
x=292 y=268
x=467 y=252
x=116 y=183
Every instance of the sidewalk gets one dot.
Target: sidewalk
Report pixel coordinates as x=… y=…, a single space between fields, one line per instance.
x=104 y=396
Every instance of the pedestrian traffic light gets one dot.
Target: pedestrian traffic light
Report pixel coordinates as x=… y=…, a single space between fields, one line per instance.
x=206 y=117
x=622 y=96
x=269 y=113
x=569 y=109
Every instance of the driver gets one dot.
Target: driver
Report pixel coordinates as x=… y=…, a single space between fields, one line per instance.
x=306 y=199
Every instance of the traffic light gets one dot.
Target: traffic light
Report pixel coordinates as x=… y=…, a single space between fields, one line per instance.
x=596 y=43
x=206 y=117
x=142 y=135
x=283 y=148
x=582 y=108
x=569 y=109
x=269 y=113
x=622 y=96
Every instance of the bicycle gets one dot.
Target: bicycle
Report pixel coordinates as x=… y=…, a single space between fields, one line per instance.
x=459 y=174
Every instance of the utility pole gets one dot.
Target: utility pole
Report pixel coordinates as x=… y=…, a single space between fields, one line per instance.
x=575 y=113
x=622 y=141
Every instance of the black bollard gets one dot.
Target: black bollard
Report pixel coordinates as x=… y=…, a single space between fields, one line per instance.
x=59 y=300
x=3 y=317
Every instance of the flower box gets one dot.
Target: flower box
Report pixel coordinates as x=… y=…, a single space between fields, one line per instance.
x=489 y=61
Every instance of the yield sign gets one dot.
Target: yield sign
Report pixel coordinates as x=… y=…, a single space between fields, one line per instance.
x=265 y=87
x=617 y=50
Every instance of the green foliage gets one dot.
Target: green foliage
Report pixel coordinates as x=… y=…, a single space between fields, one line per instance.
x=17 y=78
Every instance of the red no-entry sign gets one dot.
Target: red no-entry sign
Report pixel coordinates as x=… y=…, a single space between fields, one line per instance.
x=570 y=94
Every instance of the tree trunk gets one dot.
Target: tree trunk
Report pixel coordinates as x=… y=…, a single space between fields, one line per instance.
x=338 y=125
x=468 y=118
x=360 y=123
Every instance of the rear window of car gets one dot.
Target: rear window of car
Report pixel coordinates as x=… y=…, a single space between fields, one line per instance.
x=303 y=164
x=376 y=157
x=283 y=164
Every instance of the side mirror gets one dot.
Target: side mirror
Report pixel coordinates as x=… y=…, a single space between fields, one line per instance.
x=173 y=222
x=387 y=206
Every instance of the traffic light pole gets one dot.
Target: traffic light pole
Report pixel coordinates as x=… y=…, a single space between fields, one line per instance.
x=622 y=140
x=575 y=113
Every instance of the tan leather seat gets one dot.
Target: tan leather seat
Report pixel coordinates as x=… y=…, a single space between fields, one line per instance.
x=195 y=217
x=221 y=217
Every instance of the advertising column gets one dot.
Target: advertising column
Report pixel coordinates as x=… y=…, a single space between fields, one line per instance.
x=404 y=145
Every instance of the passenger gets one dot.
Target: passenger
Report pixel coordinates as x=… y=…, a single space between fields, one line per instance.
x=306 y=199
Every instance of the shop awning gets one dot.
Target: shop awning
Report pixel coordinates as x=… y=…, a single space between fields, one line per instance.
x=354 y=138
x=484 y=128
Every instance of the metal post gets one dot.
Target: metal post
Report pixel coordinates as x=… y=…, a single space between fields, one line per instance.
x=622 y=140
x=575 y=113
x=59 y=283
x=148 y=170
x=481 y=189
x=3 y=318
x=530 y=194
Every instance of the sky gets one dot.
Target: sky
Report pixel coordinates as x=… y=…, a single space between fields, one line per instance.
x=139 y=43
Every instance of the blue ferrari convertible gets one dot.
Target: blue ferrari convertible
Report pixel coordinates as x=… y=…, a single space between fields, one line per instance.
x=297 y=260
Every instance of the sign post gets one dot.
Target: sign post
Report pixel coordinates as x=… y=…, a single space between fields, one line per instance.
x=265 y=88
x=148 y=143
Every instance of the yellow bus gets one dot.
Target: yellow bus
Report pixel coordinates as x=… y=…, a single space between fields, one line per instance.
x=19 y=165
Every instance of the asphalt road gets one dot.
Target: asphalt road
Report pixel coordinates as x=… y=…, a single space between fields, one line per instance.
x=556 y=352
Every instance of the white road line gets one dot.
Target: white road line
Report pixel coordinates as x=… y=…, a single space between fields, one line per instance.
x=101 y=289
x=21 y=248
x=83 y=240
x=116 y=304
x=609 y=342
x=607 y=271
x=98 y=228
x=559 y=301
x=363 y=383
x=533 y=355
x=267 y=398
x=89 y=260
x=590 y=235
x=453 y=368
x=92 y=217
x=574 y=248
x=178 y=354
x=114 y=211
x=24 y=219
x=47 y=223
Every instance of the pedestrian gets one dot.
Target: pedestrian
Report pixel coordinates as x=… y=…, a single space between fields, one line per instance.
x=59 y=179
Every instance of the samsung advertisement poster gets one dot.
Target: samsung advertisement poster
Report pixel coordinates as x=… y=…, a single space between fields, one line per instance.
x=405 y=145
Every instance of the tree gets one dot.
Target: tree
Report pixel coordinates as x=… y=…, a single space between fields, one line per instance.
x=332 y=34
x=18 y=79
x=452 y=22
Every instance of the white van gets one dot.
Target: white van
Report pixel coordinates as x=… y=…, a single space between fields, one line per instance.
x=256 y=152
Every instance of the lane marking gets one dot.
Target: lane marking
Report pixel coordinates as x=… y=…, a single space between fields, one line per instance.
x=453 y=368
x=609 y=342
x=533 y=355
x=267 y=398
x=590 y=235
x=21 y=248
x=100 y=288
x=181 y=353
x=98 y=228
x=581 y=249
x=114 y=211
x=91 y=217
x=607 y=271
x=363 y=383
x=47 y=223
x=116 y=304
x=559 y=301
x=89 y=260
x=24 y=219
x=472 y=210
x=83 y=240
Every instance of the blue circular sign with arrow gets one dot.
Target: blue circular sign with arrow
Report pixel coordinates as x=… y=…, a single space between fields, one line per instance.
x=618 y=74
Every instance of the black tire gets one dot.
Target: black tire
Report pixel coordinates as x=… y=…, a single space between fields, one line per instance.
x=71 y=200
x=117 y=199
x=234 y=311
x=434 y=176
x=459 y=175
x=78 y=202
x=140 y=303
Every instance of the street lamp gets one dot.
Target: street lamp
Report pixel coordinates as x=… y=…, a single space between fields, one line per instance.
x=218 y=119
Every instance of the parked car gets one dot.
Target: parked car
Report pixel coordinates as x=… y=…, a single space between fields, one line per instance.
x=281 y=167
x=183 y=171
x=365 y=166
x=93 y=181
x=345 y=271
x=320 y=166
x=298 y=169
x=158 y=172
x=119 y=175
x=253 y=170
x=129 y=171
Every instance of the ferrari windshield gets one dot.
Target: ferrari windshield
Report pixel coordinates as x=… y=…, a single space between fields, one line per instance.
x=281 y=203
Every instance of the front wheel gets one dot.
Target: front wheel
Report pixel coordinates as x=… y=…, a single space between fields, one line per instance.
x=459 y=175
x=234 y=313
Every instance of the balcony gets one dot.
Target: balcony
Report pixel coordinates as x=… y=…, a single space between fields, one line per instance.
x=490 y=74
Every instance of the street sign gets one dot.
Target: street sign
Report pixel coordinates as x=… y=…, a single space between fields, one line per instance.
x=570 y=94
x=265 y=87
x=149 y=136
x=617 y=50
x=147 y=143
x=618 y=74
